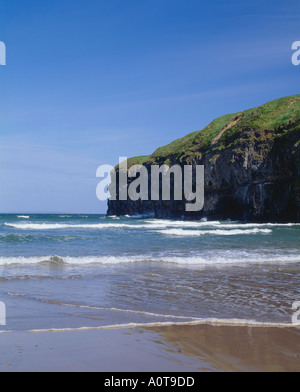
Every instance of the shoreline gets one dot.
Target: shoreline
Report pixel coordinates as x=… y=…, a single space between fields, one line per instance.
x=196 y=322
x=169 y=348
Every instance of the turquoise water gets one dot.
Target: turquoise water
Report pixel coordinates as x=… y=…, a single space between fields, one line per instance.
x=73 y=271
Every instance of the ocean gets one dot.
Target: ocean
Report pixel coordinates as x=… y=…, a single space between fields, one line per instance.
x=91 y=271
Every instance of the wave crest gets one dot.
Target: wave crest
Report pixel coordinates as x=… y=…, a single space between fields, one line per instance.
x=210 y=260
x=197 y=233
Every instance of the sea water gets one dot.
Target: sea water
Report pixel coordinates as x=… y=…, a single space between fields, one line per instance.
x=91 y=271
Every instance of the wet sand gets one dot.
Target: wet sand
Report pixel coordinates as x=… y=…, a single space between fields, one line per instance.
x=203 y=348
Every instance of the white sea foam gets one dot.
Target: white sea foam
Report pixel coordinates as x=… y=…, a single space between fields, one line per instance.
x=197 y=233
x=257 y=225
x=196 y=322
x=58 y=226
x=231 y=260
x=69 y=260
x=217 y=224
x=91 y=226
x=23 y=217
x=211 y=260
x=153 y=224
x=184 y=224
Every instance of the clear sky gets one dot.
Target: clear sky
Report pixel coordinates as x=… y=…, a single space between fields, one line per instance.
x=88 y=81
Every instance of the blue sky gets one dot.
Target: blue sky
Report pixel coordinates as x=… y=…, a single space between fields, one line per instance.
x=88 y=81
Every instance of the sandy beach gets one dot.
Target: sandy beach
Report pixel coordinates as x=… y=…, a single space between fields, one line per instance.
x=203 y=348
x=149 y=301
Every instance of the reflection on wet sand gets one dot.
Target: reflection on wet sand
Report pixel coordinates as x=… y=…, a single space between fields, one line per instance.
x=230 y=348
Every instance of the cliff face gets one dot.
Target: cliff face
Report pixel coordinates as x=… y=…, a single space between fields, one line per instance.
x=252 y=167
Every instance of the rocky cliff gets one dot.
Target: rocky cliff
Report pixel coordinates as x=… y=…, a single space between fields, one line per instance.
x=252 y=167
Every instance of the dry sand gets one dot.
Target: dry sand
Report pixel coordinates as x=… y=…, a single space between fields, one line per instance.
x=157 y=349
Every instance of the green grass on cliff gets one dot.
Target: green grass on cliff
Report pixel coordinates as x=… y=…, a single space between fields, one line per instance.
x=278 y=117
x=137 y=160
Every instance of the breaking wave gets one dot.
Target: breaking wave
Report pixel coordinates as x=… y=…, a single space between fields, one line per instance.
x=197 y=233
x=151 y=224
x=213 y=259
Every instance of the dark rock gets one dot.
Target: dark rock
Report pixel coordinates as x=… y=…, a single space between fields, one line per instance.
x=252 y=167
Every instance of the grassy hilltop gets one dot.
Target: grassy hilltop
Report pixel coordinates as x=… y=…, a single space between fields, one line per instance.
x=278 y=118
